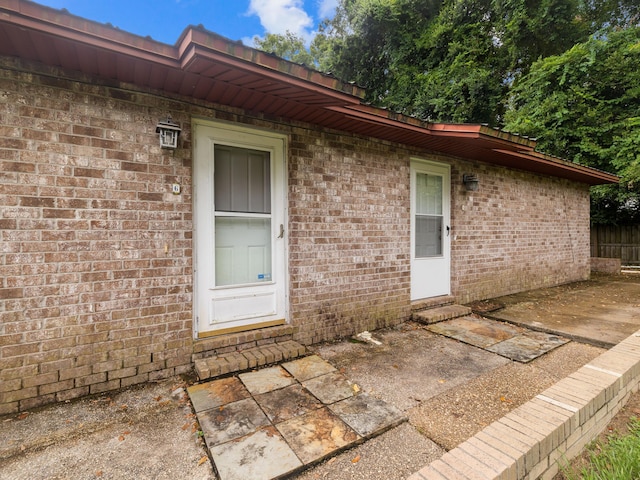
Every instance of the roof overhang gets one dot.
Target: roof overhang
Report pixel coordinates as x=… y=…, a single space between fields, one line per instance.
x=208 y=67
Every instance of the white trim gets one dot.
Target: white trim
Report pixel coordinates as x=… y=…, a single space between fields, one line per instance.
x=207 y=133
x=423 y=285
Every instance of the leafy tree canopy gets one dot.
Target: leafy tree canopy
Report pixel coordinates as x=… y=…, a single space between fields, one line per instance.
x=288 y=46
x=451 y=60
x=585 y=105
x=445 y=61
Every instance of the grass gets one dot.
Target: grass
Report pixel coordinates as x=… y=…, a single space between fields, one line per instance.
x=617 y=459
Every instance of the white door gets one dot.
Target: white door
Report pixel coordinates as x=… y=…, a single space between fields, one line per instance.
x=430 y=230
x=239 y=203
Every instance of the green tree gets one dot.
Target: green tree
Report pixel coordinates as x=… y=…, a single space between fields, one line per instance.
x=288 y=46
x=458 y=75
x=372 y=43
x=445 y=61
x=611 y=13
x=565 y=71
x=455 y=60
x=584 y=105
x=529 y=30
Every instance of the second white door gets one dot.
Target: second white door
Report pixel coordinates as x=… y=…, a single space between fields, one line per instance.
x=430 y=230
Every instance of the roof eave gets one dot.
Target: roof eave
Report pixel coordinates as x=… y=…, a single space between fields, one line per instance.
x=213 y=68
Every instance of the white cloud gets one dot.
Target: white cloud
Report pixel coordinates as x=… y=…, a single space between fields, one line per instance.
x=327 y=8
x=280 y=16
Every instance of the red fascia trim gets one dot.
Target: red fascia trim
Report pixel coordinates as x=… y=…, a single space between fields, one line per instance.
x=66 y=26
x=539 y=158
x=491 y=134
x=197 y=44
x=378 y=119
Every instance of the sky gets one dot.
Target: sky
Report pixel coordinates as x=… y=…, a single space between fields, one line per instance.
x=164 y=20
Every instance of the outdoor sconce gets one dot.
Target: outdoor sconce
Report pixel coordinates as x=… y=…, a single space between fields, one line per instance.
x=169 y=132
x=470 y=181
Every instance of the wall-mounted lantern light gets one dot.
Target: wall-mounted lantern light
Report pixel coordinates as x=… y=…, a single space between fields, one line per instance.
x=470 y=181
x=169 y=132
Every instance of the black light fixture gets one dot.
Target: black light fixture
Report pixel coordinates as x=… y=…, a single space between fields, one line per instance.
x=471 y=182
x=169 y=132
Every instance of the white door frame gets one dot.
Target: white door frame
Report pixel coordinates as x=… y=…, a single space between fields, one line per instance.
x=218 y=310
x=431 y=276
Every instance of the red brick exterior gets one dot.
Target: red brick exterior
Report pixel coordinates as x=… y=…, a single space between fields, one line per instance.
x=349 y=243
x=96 y=252
x=517 y=232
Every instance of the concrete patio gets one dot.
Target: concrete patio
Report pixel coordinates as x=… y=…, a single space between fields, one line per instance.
x=447 y=389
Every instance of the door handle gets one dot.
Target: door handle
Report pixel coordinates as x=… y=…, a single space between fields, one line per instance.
x=281 y=231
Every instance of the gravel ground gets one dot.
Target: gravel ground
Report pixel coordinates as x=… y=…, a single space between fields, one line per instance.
x=395 y=454
x=456 y=415
x=447 y=390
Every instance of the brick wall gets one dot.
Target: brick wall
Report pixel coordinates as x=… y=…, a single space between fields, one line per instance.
x=349 y=242
x=611 y=266
x=518 y=232
x=96 y=252
x=95 y=261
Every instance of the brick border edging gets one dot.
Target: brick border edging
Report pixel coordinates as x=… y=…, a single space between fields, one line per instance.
x=532 y=441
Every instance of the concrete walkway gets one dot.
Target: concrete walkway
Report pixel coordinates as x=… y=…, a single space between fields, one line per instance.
x=602 y=311
x=449 y=390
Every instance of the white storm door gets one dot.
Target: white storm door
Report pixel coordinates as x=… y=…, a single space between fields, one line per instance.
x=239 y=192
x=430 y=230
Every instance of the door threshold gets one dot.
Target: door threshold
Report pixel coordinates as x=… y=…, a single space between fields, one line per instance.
x=431 y=302
x=242 y=328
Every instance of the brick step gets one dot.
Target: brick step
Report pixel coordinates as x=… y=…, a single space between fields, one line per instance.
x=440 y=314
x=432 y=302
x=212 y=367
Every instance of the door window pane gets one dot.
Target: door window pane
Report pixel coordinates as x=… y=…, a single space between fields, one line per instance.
x=428 y=236
x=242 y=180
x=428 y=194
x=242 y=196
x=428 y=219
x=243 y=250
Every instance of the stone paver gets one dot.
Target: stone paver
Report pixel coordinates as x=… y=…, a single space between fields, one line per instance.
x=317 y=434
x=266 y=380
x=527 y=346
x=214 y=394
x=308 y=367
x=274 y=421
x=331 y=387
x=286 y=403
x=367 y=415
x=254 y=457
x=510 y=341
x=232 y=421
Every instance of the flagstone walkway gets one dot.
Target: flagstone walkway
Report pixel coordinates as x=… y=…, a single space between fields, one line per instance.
x=510 y=341
x=271 y=422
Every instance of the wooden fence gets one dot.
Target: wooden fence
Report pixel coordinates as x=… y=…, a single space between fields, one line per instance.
x=616 y=242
